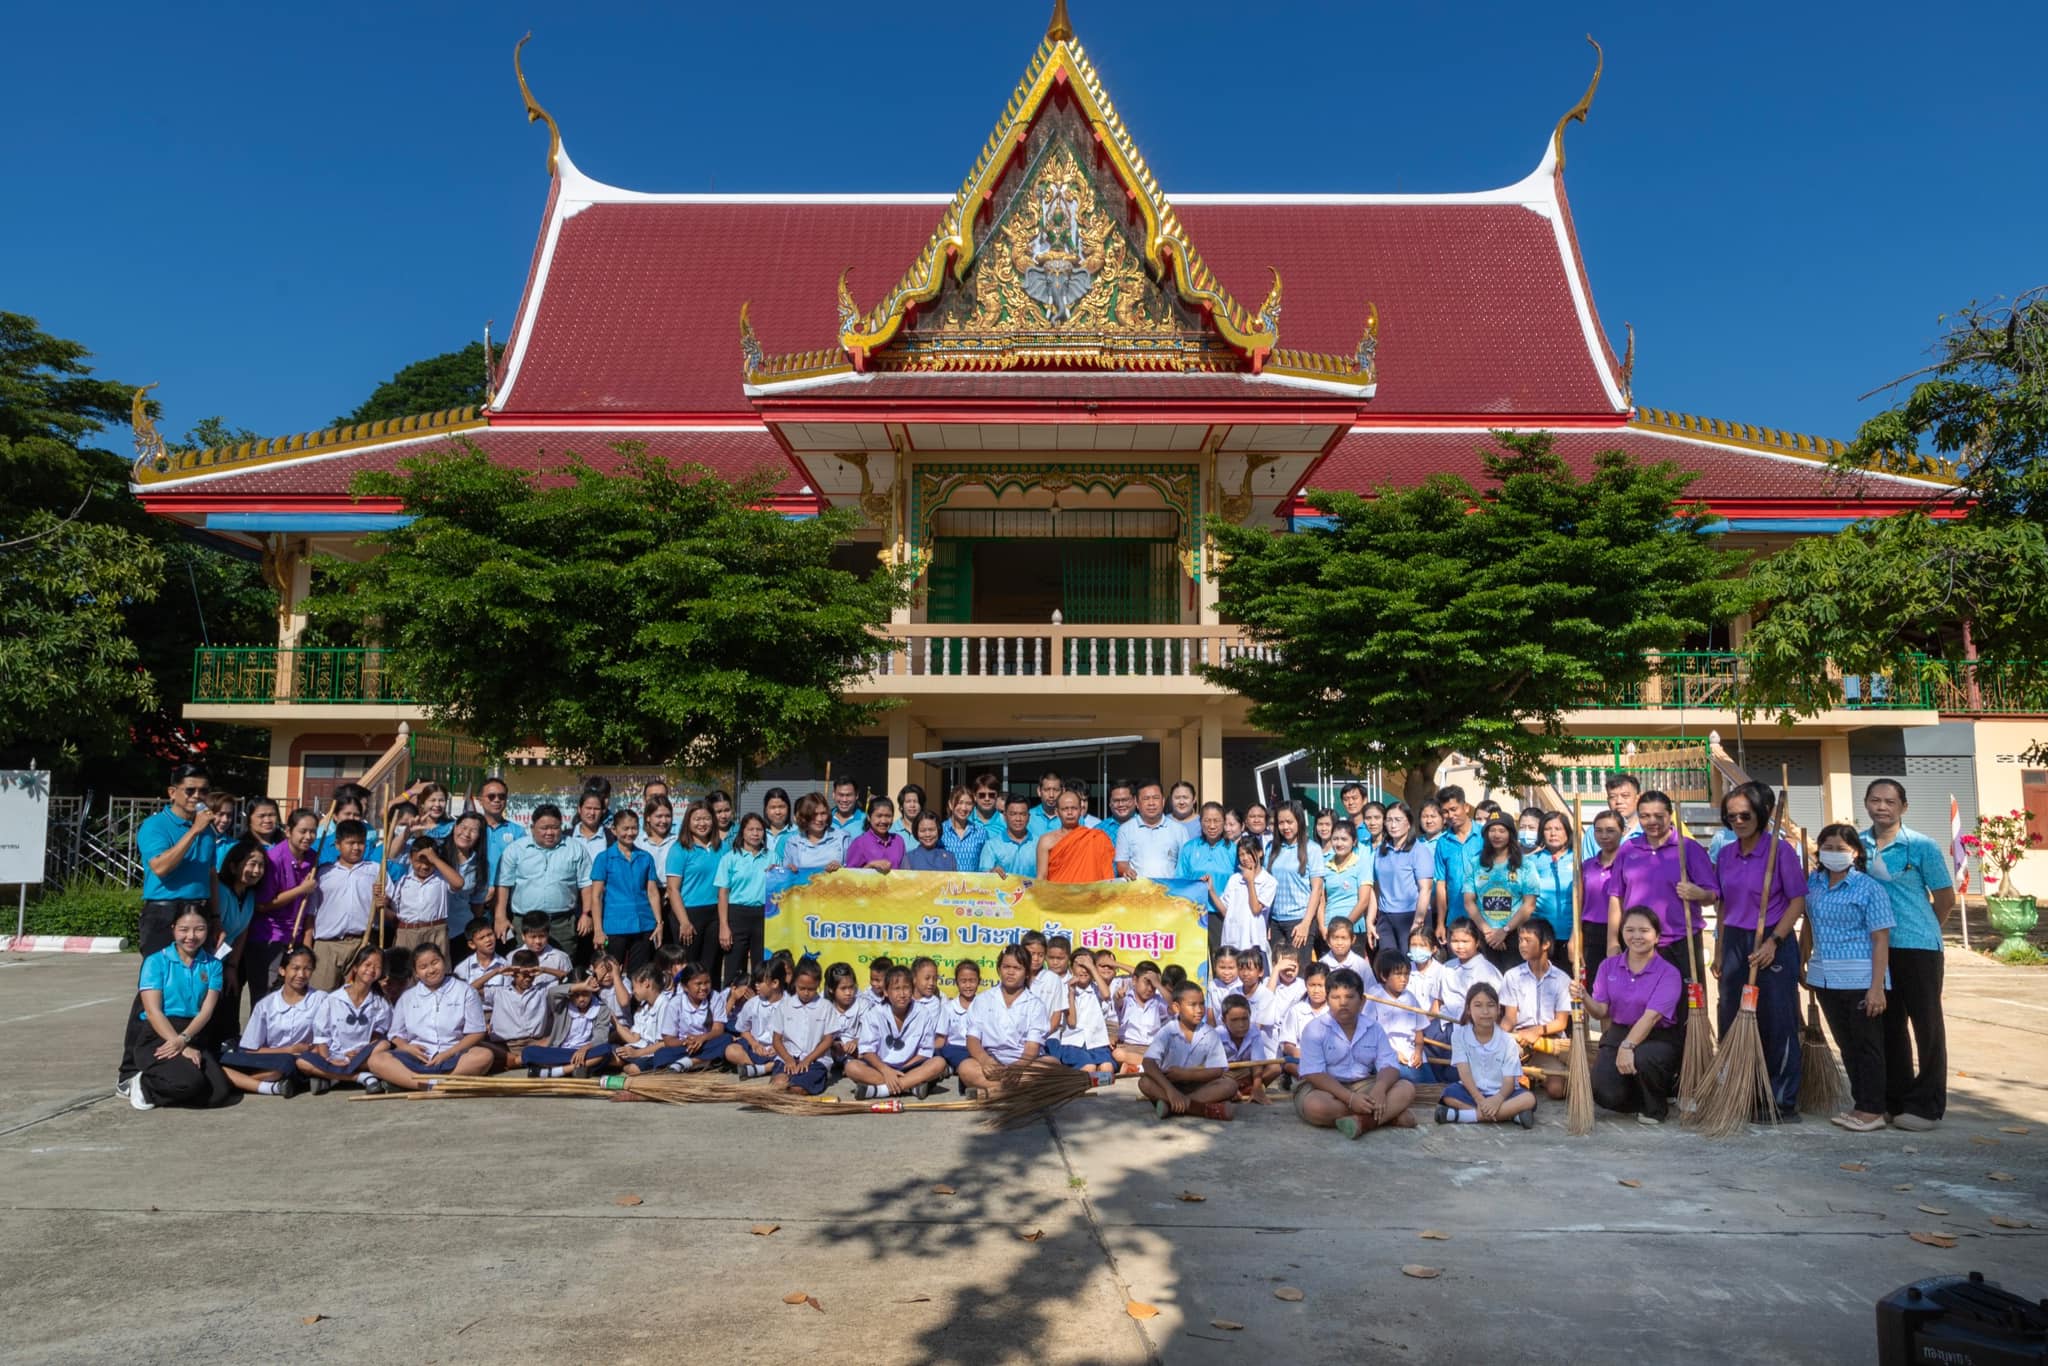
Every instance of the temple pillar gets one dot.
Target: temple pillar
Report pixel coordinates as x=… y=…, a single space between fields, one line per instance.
x=1837 y=783
x=288 y=569
x=1210 y=784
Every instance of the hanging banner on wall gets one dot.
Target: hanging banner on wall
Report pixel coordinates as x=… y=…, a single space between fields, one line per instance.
x=855 y=916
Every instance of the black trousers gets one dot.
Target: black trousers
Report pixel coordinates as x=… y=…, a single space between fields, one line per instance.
x=704 y=948
x=174 y=1081
x=154 y=930
x=1593 y=945
x=1649 y=1090
x=1691 y=967
x=631 y=950
x=1915 y=1039
x=748 y=925
x=1861 y=1042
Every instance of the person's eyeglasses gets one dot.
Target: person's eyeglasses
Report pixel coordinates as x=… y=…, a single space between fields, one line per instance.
x=1741 y=815
x=194 y=791
x=494 y=796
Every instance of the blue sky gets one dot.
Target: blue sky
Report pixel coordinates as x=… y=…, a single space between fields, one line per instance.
x=269 y=208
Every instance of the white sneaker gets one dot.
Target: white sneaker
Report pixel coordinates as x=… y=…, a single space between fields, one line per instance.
x=136 y=1099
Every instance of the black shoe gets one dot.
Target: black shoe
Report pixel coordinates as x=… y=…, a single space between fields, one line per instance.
x=319 y=1086
x=1788 y=1115
x=291 y=1086
x=533 y=1072
x=1527 y=1119
x=580 y=1070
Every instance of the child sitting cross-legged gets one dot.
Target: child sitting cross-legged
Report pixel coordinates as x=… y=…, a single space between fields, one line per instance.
x=1185 y=1071
x=521 y=1012
x=752 y=1048
x=1489 y=1087
x=896 y=1054
x=580 y=1040
x=1243 y=1043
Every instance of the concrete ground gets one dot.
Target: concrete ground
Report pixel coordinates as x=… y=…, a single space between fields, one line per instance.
x=496 y=1230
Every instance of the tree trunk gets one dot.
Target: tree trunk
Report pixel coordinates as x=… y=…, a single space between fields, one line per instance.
x=1970 y=668
x=1418 y=785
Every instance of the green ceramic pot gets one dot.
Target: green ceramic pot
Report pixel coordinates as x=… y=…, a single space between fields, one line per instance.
x=2014 y=917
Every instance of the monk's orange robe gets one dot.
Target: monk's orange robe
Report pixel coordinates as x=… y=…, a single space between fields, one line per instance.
x=1082 y=854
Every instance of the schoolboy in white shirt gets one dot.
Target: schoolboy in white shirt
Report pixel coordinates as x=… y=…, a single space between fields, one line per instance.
x=1185 y=1072
x=1536 y=1004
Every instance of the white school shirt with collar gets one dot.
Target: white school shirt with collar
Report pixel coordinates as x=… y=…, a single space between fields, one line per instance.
x=420 y=900
x=844 y=1025
x=1492 y=1063
x=276 y=1024
x=1242 y=929
x=1296 y=1019
x=1005 y=1027
x=517 y=1014
x=757 y=1018
x=1266 y=1011
x=933 y=1005
x=1286 y=994
x=436 y=1019
x=1254 y=1047
x=1086 y=1026
x=552 y=957
x=952 y=1025
x=682 y=1018
x=913 y=1035
x=344 y=1028
x=801 y=1026
x=579 y=1027
x=343 y=899
x=1213 y=1002
x=1051 y=990
x=1139 y=1022
x=642 y=1028
x=1427 y=982
x=468 y=970
x=1356 y=964
x=1399 y=1026
x=1173 y=1050
x=1536 y=1003
x=1458 y=979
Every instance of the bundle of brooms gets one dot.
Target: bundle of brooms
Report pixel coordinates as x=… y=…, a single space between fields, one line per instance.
x=1696 y=1063
x=1739 y=1087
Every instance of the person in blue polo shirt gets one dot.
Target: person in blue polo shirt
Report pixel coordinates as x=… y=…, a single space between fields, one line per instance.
x=176 y=846
x=1148 y=844
x=1123 y=806
x=625 y=895
x=175 y=998
x=847 y=817
x=502 y=831
x=1457 y=858
x=1210 y=854
x=1046 y=815
x=1015 y=850
x=742 y=881
x=1915 y=873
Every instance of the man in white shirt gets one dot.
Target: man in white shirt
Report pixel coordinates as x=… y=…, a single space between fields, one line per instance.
x=1149 y=846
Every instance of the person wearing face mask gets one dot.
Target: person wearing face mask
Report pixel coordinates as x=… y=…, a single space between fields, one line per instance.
x=1852 y=929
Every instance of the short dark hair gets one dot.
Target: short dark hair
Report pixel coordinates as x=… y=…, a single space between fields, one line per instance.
x=1180 y=992
x=546 y=810
x=1451 y=793
x=1016 y=799
x=1545 y=933
x=482 y=925
x=350 y=829
x=1893 y=783
x=1847 y=834
x=1234 y=1001
x=1391 y=962
x=1657 y=795
x=525 y=958
x=1059 y=941
x=180 y=772
x=1030 y=937
x=533 y=920
x=1345 y=977
x=1620 y=780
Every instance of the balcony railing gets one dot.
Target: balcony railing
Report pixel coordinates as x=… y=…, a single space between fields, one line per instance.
x=1698 y=680
x=322 y=677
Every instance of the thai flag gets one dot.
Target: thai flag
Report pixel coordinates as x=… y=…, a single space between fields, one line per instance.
x=1955 y=845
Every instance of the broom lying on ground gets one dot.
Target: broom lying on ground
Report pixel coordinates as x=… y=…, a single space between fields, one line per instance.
x=1697 y=1061
x=1740 y=1084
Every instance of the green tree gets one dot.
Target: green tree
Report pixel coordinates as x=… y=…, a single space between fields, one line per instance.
x=454 y=379
x=1442 y=618
x=75 y=554
x=653 y=615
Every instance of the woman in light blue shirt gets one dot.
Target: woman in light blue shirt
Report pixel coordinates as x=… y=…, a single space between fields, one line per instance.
x=814 y=844
x=1296 y=915
x=1347 y=877
x=1404 y=872
x=163 y=1062
x=1852 y=924
x=742 y=881
x=692 y=875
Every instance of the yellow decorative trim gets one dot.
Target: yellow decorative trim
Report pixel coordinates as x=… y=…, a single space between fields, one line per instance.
x=1577 y=113
x=250 y=454
x=1818 y=449
x=534 y=112
x=1059 y=60
x=1059 y=29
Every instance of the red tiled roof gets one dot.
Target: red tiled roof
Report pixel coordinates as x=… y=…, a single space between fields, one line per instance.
x=731 y=454
x=639 y=307
x=1365 y=460
x=1068 y=386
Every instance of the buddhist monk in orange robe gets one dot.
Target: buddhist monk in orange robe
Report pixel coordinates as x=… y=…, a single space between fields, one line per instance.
x=1074 y=852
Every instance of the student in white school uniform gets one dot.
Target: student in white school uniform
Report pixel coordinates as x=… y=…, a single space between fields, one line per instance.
x=846 y=1005
x=580 y=1039
x=1341 y=955
x=1314 y=1001
x=1536 y=1004
x=437 y=1028
x=1142 y=1011
x=924 y=990
x=752 y=1050
x=803 y=1042
x=344 y=900
x=1185 y=1071
x=1489 y=1087
x=522 y=1012
x=1287 y=986
x=1259 y=998
x=533 y=934
x=1403 y=1027
x=265 y=1061
x=950 y=1040
x=1247 y=898
x=1350 y=1078
x=692 y=1034
x=347 y=1026
x=1244 y=1042
x=896 y=1054
x=1222 y=983
x=1007 y=1027
x=420 y=898
x=1049 y=974
x=1082 y=1040
x=640 y=1031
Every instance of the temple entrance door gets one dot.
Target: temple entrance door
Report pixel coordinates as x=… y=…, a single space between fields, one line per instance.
x=1025 y=580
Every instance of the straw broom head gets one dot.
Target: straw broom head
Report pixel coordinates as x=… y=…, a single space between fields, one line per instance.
x=1027 y=1090
x=1823 y=1090
x=1740 y=1084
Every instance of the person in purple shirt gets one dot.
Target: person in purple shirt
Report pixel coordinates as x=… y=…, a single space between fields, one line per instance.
x=1637 y=995
x=1772 y=948
x=1600 y=879
x=878 y=847
x=1650 y=875
x=285 y=897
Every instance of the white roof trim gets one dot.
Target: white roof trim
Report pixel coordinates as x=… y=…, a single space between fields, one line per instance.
x=309 y=458
x=566 y=175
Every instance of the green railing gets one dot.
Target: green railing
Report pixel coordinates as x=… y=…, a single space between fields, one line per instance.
x=1720 y=679
x=333 y=677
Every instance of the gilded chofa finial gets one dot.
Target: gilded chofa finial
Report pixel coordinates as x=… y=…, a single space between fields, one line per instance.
x=1061 y=29
x=1626 y=375
x=1584 y=107
x=753 y=360
x=534 y=112
x=149 y=443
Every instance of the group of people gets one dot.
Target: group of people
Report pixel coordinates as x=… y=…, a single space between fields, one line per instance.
x=1355 y=953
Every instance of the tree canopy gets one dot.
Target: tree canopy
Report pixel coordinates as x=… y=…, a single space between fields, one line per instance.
x=1444 y=618
x=656 y=614
x=454 y=379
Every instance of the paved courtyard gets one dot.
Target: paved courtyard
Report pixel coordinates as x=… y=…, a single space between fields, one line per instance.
x=496 y=1230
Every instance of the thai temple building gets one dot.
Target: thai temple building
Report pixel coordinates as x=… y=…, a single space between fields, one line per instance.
x=1044 y=390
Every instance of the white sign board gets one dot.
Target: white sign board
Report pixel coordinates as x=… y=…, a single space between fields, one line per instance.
x=24 y=823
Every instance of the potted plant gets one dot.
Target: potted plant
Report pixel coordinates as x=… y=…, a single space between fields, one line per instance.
x=2000 y=843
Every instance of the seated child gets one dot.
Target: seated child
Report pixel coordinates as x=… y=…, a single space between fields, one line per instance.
x=1246 y=898
x=1399 y=1017
x=1142 y=1012
x=692 y=1035
x=845 y=1005
x=949 y=1041
x=1082 y=1041
x=1466 y=969
x=533 y=933
x=437 y=1028
x=1007 y=1026
x=1287 y=986
x=801 y=1038
x=1314 y=1001
x=521 y=1013
x=483 y=961
x=1185 y=1071
x=752 y=1050
x=895 y=1050
x=1049 y=984
x=1350 y=1076
x=265 y=1061
x=877 y=994
x=1536 y=1004
x=1259 y=999
x=580 y=1039
x=640 y=1030
x=1489 y=1087
x=924 y=989
x=347 y=1026
x=1241 y=1044
x=397 y=978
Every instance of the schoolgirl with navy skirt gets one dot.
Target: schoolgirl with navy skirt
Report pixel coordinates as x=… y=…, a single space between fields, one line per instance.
x=894 y=1055
x=1082 y=1040
x=803 y=1037
x=437 y=1028
x=692 y=1034
x=347 y=1026
x=752 y=1050
x=950 y=1039
x=265 y=1060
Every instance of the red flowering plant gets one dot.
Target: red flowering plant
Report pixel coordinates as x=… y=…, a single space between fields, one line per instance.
x=2001 y=842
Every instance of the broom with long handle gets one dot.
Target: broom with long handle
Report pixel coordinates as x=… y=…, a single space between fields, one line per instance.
x=1578 y=1114
x=319 y=832
x=1823 y=1089
x=1741 y=1082
x=1697 y=1062
x=376 y=923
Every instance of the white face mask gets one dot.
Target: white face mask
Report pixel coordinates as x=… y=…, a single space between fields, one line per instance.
x=1837 y=860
